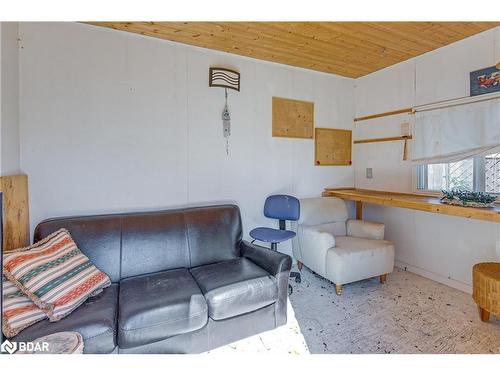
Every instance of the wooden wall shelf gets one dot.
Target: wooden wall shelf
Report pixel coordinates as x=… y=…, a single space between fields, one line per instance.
x=388 y=139
x=413 y=202
x=384 y=114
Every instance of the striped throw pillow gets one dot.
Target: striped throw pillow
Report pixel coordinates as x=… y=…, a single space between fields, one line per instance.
x=19 y=312
x=55 y=274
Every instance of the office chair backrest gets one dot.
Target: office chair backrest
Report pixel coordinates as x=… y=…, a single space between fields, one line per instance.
x=282 y=207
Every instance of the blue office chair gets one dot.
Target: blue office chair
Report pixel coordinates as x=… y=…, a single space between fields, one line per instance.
x=281 y=207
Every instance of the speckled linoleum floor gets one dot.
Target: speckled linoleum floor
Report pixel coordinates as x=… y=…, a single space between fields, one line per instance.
x=408 y=314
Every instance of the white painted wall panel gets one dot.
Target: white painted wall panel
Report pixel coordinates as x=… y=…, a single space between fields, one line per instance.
x=113 y=122
x=497 y=45
x=397 y=91
x=443 y=74
x=102 y=121
x=443 y=248
x=9 y=104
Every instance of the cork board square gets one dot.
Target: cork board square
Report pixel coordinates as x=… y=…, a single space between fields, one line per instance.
x=332 y=147
x=293 y=118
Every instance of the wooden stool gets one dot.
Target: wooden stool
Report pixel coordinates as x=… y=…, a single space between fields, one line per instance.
x=486 y=289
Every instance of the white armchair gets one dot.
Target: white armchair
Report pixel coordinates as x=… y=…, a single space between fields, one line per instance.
x=339 y=249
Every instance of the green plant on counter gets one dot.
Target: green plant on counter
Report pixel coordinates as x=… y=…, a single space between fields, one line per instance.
x=466 y=197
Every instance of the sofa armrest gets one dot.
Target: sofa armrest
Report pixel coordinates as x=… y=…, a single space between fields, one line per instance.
x=278 y=265
x=365 y=229
x=270 y=260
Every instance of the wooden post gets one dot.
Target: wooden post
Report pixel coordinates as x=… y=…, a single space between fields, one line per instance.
x=359 y=210
x=15 y=211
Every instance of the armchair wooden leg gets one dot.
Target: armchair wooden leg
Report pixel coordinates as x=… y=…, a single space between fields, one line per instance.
x=382 y=278
x=484 y=315
x=300 y=265
x=338 y=289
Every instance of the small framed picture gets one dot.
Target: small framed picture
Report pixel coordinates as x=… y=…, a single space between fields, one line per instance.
x=484 y=81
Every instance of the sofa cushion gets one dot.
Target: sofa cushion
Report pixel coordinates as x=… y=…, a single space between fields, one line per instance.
x=157 y=306
x=235 y=287
x=95 y=320
x=213 y=233
x=98 y=237
x=153 y=242
x=354 y=259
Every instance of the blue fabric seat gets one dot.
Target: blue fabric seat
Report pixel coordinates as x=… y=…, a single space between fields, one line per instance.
x=282 y=208
x=271 y=235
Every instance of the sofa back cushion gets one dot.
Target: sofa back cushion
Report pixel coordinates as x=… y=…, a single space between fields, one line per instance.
x=98 y=237
x=126 y=245
x=214 y=233
x=316 y=211
x=153 y=242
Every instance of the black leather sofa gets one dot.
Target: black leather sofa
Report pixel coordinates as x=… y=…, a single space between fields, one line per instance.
x=183 y=281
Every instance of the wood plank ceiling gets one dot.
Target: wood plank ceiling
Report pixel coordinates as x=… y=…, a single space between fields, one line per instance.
x=351 y=49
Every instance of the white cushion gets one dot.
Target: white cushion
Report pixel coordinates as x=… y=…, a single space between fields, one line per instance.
x=353 y=259
x=315 y=211
x=365 y=229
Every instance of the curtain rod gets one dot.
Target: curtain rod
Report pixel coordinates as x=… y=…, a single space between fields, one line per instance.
x=433 y=106
x=456 y=102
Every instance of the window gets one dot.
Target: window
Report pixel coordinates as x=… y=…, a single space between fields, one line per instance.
x=481 y=173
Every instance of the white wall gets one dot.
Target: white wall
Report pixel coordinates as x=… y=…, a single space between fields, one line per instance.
x=443 y=248
x=9 y=126
x=112 y=122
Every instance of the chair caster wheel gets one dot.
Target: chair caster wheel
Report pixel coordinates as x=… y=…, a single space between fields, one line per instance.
x=296 y=276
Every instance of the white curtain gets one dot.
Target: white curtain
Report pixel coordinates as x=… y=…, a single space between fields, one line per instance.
x=455 y=133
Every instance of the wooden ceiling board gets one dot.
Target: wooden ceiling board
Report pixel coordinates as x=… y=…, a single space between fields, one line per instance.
x=351 y=49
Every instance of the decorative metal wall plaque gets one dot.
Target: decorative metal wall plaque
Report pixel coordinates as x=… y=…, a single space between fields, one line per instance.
x=226 y=78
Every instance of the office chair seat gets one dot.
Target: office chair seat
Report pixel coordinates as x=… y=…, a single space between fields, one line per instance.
x=271 y=235
x=281 y=207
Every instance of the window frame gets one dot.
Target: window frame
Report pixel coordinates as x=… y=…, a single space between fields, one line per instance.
x=421 y=179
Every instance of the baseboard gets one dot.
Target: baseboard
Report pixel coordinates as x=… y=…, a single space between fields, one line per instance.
x=436 y=277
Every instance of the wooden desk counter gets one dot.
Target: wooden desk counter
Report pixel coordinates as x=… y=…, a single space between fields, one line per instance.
x=412 y=202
